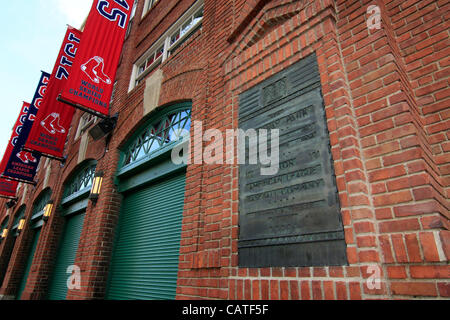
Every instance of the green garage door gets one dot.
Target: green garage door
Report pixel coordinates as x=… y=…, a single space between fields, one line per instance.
x=73 y=209
x=145 y=259
x=23 y=282
x=66 y=256
x=36 y=227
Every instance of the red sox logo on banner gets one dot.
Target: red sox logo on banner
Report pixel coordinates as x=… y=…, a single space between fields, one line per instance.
x=49 y=133
x=94 y=70
x=90 y=83
x=51 y=124
x=17 y=164
x=18 y=126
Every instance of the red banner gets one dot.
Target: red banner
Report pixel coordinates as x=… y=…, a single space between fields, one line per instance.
x=91 y=81
x=17 y=164
x=8 y=188
x=51 y=126
x=17 y=129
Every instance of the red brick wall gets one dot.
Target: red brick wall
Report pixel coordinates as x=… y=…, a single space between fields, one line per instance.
x=21 y=250
x=409 y=197
x=393 y=204
x=183 y=80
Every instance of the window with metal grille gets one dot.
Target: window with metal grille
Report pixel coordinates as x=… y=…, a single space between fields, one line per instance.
x=82 y=180
x=40 y=203
x=4 y=225
x=19 y=215
x=158 y=134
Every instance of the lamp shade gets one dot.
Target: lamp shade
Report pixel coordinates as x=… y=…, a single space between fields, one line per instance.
x=96 y=186
x=48 y=210
x=21 y=225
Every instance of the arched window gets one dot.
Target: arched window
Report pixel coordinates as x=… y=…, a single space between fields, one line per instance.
x=159 y=134
x=40 y=203
x=19 y=215
x=82 y=181
x=4 y=225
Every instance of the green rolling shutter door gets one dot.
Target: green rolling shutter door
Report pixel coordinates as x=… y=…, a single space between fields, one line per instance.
x=145 y=259
x=29 y=261
x=66 y=256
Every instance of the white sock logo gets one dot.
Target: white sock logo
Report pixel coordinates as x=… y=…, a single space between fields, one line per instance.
x=51 y=123
x=94 y=70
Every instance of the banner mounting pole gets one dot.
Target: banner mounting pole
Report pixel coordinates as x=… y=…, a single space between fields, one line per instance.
x=78 y=106
x=9 y=198
x=34 y=183
x=62 y=160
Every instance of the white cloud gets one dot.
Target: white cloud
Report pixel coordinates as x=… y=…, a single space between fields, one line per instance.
x=75 y=11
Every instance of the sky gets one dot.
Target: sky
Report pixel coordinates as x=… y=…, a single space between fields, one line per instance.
x=31 y=37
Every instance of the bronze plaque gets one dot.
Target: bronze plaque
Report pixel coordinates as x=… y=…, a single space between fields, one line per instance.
x=291 y=218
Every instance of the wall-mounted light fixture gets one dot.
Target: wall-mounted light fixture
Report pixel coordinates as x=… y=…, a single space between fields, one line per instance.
x=96 y=186
x=103 y=127
x=21 y=225
x=11 y=203
x=4 y=233
x=48 y=210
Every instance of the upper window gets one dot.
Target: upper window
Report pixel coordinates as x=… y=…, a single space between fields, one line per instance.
x=148 y=5
x=153 y=60
x=133 y=10
x=130 y=23
x=86 y=121
x=113 y=94
x=159 y=133
x=168 y=42
x=185 y=29
x=67 y=139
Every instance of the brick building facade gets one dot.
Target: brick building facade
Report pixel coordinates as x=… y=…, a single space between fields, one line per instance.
x=386 y=98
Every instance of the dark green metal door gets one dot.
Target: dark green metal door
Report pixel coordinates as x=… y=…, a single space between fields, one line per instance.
x=66 y=256
x=34 y=242
x=145 y=259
